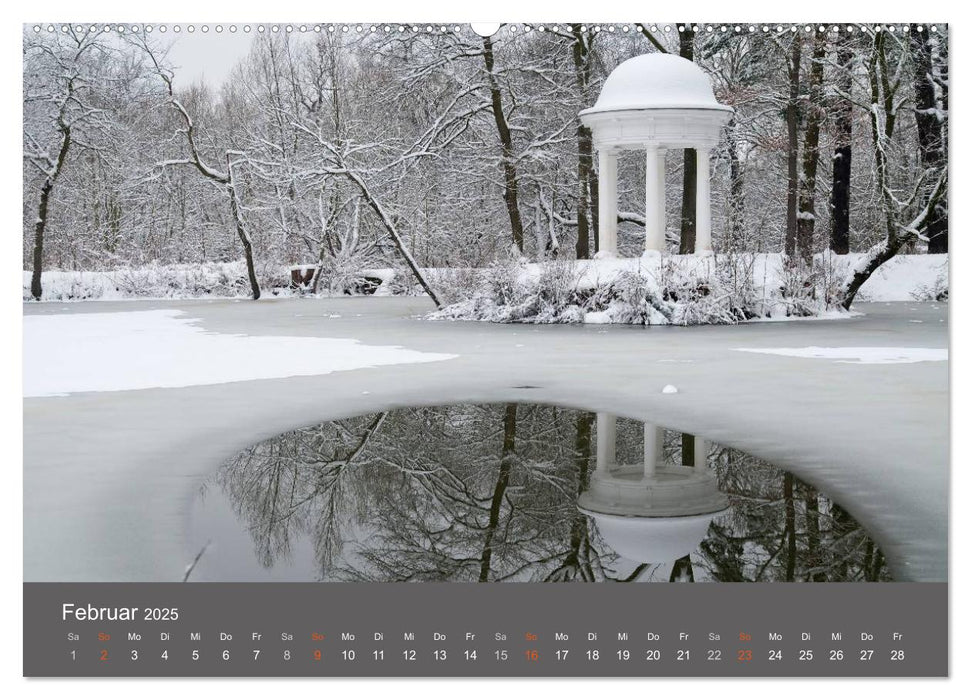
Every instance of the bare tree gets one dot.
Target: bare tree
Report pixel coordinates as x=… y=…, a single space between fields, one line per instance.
x=225 y=179
x=792 y=153
x=806 y=216
x=839 y=237
x=510 y=177
x=931 y=114
x=587 y=190
x=67 y=101
x=906 y=218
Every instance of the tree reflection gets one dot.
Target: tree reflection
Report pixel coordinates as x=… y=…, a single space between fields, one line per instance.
x=488 y=493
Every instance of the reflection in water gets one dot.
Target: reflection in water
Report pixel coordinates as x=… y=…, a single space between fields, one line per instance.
x=516 y=492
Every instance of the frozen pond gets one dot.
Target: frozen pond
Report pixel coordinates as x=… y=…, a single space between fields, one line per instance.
x=856 y=408
x=489 y=493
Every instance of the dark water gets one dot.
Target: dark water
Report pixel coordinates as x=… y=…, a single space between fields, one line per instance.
x=489 y=493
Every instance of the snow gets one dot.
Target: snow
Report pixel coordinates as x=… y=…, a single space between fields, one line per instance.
x=860 y=355
x=67 y=353
x=657 y=289
x=906 y=278
x=903 y=278
x=656 y=80
x=188 y=281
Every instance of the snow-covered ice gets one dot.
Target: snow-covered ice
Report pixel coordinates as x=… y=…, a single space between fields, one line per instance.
x=67 y=353
x=861 y=355
x=669 y=389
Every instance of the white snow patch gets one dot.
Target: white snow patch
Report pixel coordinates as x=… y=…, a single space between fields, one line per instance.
x=66 y=353
x=669 y=389
x=861 y=355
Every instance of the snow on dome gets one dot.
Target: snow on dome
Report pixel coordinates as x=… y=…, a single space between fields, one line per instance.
x=656 y=81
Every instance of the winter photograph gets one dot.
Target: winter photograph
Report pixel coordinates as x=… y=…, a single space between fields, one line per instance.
x=644 y=302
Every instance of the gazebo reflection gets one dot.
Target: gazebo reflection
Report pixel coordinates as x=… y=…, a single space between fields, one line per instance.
x=652 y=512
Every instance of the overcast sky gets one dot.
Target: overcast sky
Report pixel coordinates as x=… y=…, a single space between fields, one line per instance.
x=209 y=57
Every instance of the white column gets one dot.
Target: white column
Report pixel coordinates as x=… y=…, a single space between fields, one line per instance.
x=701 y=452
x=659 y=210
x=703 y=205
x=653 y=236
x=607 y=178
x=653 y=448
x=606 y=441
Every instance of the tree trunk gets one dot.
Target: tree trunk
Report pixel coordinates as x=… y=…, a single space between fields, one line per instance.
x=813 y=546
x=736 y=202
x=581 y=66
x=880 y=254
x=790 y=531
x=689 y=185
x=393 y=232
x=930 y=131
x=877 y=563
x=510 y=177
x=792 y=129
x=502 y=482
x=241 y=231
x=806 y=224
x=839 y=236
x=682 y=570
x=36 y=289
x=575 y=565
x=687 y=450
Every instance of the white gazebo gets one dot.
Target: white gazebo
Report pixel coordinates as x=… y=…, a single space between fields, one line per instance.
x=652 y=512
x=654 y=102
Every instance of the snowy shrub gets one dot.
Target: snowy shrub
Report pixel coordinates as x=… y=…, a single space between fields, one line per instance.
x=400 y=282
x=554 y=291
x=503 y=282
x=736 y=275
x=938 y=290
x=675 y=290
x=454 y=284
x=798 y=288
x=832 y=274
x=227 y=279
x=629 y=298
x=337 y=276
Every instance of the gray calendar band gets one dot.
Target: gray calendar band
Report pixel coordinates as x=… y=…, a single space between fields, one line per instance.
x=450 y=629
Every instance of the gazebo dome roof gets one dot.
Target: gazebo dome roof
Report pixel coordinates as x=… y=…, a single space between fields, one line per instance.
x=656 y=81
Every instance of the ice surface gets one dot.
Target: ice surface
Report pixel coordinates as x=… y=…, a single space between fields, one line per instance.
x=66 y=353
x=860 y=355
x=110 y=477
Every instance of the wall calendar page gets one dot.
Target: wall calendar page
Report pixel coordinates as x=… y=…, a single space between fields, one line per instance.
x=513 y=350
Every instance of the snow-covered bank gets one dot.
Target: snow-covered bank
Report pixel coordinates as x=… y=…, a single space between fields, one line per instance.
x=66 y=353
x=683 y=289
x=190 y=281
x=905 y=278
